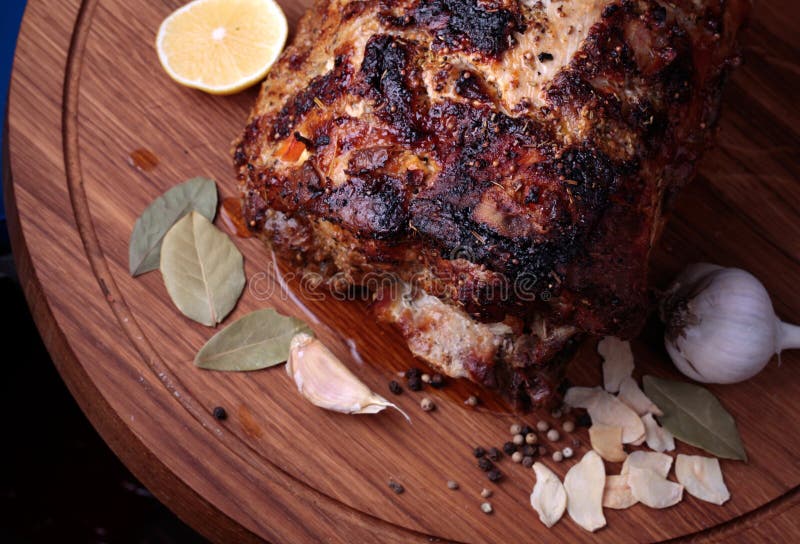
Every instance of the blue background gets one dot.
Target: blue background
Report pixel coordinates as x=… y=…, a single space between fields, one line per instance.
x=10 y=16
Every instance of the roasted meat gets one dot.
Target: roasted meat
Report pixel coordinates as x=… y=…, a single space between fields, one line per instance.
x=505 y=163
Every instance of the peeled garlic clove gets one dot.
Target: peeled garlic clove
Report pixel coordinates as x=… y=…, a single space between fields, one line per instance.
x=324 y=380
x=702 y=478
x=631 y=394
x=617 y=362
x=548 y=498
x=658 y=438
x=659 y=463
x=607 y=442
x=653 y=490
x=606 y=409
x=584 y=485
x=617 y=493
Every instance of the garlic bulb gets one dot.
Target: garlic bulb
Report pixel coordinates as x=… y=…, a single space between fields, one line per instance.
x=721 y=326
x=323 y=379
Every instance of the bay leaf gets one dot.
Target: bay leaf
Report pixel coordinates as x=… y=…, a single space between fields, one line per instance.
x=694 y=415
x=144 y=249
x=202 y=269
x=258 y=340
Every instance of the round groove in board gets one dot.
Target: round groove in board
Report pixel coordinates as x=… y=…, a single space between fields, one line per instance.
x=279 y=469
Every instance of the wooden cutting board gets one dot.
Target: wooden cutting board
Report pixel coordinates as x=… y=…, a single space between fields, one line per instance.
x=88 y=91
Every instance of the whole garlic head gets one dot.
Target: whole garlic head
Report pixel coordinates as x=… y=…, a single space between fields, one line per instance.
x=721 y=326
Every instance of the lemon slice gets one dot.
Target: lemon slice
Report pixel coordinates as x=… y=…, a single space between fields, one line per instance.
x=221 y=46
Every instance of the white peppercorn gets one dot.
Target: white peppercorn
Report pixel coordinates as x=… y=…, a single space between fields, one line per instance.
x=486 y=493
x=542 y=426
x=515 y=429
x=567 y=452
x=452 y=484
x=425 y=378
x=558 y=456
x=568 y=426
x=472 y=400
x=556 y=413
x=486 y=507
x=517 y=457
x=427 y=404
x=553 y=436
x=518 y=439
x=531 y=438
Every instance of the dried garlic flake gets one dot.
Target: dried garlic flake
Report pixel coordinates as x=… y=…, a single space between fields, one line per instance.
x=584 y=485
x=631 y=394
x=548 y=498
x=660 y=463
x=702 y=478
x=617 y=493
x=617 y=362
x=606 y=409
x=658 y=438
x=607 y=442
x=652 y=490
x=580 y=397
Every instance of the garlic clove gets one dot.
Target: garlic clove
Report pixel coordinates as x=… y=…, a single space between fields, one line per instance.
x=548 y=497
x=702 y=478
x=617 y=362
x=659 y=463
x=631 y=394
x=326 y=382
x=657 y=437
x=653 y=490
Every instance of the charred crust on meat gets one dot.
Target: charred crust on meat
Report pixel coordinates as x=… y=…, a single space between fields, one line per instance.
x=326 y=88
x=387 y=72
x=468 y=25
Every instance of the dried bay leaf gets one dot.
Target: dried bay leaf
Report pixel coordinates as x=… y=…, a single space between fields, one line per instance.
x=144 y=249
x=258 y=340
x=694 y=415
x=202 y=269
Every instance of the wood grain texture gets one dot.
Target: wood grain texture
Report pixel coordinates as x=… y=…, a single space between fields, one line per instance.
x=87 y=90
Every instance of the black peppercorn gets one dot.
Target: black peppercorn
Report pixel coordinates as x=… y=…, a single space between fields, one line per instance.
x=493 y=454
x=220 y=413
x=395 y=388
x=415 y=383
x=484 y=464
x=545 y=57
x=394 y=486
x=527 y=461
x=413 y=373
x=526 y=430
x=478 y=452
x=437 y=381
x=494 y=475
x=529 y=451
x=583 y=420
x=509 y=448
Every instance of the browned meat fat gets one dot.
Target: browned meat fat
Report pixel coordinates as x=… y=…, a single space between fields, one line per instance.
x=507 y=161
